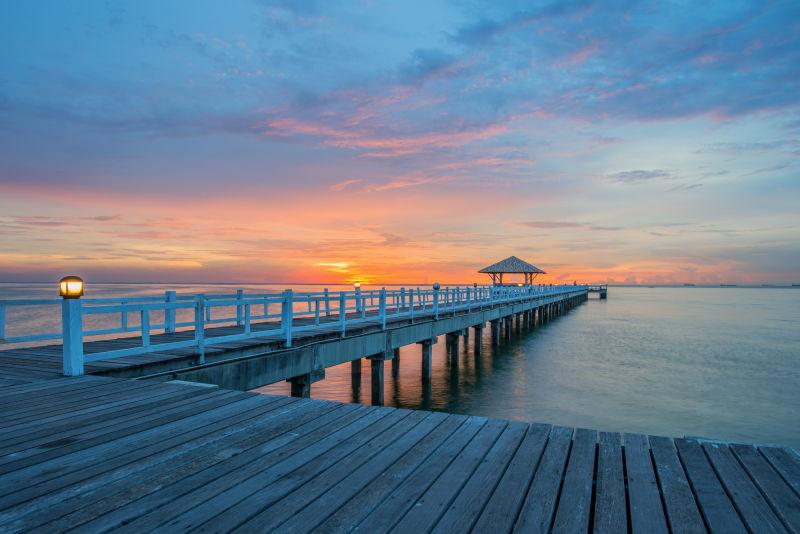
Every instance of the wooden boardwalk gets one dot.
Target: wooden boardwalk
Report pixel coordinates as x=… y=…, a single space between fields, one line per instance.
x=97 y=453
x=27 y=364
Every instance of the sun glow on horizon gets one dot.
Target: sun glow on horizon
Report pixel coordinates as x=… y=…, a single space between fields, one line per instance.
x=408 y=156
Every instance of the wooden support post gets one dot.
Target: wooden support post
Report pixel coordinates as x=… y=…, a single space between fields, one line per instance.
x=427 y=351
x=396 y=362
x=478 y=338
x=377 y=365
x=377 y=381
x=355 y=370
x=301 y=385
x=495 y=327
x=301 y=388
x=451 y=342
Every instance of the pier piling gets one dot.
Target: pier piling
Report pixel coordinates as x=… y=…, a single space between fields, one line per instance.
x=427 y=352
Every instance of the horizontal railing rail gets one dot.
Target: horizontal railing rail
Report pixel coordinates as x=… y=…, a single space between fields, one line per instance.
x=277 y=316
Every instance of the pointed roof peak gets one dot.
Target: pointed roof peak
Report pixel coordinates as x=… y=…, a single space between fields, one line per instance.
x=512 y=264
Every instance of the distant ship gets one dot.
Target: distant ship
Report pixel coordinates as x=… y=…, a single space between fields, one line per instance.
x=727 y=285
x=688 y=285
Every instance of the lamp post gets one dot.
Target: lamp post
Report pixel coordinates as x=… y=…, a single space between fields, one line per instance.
x=70 y=288
x=436 y=288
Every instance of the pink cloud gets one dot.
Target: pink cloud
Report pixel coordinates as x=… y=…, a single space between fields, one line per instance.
x=340 y=186
x=582 y=55
x=383 y=145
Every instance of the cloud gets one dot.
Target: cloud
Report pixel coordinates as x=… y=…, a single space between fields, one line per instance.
x=792 y=145
x=639 y=176
x=341 y=186
x=771 y=168
x=377 y=143
x=550 y=225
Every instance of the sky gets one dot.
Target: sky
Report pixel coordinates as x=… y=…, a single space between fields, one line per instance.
x=399 y=141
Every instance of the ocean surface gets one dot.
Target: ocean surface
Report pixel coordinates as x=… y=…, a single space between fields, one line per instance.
x=713 y=362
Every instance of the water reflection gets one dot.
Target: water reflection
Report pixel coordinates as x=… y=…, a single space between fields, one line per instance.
x=666 y=361
x=457 y=372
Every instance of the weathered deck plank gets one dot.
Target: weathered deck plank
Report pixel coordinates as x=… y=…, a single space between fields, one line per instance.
x=292 y=514
x=610 y=512
x=464 y=511
x=714 y=504
x=751 y=505
x=539 y=507
x=682 y=512
x=504 y=505
x=351 y=500
x=141 y=456
x=780 y=496
x=576 y=494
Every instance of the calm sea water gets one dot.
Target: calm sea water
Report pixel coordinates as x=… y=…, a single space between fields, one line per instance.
x=713 y=362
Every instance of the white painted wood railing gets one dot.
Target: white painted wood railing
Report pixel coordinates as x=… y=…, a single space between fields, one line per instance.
x=276 y=316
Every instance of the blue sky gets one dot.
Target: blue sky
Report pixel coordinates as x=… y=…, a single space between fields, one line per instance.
x=643 y=142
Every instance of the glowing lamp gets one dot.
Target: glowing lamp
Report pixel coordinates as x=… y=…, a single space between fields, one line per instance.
x=519 y=285
x=70 y=287
x=436 y=286
x=356 y=285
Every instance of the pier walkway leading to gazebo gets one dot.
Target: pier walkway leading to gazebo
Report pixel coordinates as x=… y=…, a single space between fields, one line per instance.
x=243 y=341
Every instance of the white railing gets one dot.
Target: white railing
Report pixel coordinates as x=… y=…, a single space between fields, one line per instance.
x=279 y=316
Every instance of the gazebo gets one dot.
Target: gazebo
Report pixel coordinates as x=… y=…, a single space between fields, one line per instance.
x=511 y=265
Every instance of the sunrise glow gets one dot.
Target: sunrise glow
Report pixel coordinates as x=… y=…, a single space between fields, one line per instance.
x=302 y=142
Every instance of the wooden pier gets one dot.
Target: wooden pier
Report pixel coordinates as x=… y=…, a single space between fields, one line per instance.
x=141 y=452
x=601 y=290
x=240 y=353
x=94 y=454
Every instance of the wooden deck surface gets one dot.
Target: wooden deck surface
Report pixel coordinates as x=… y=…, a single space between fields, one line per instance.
x=96 y=453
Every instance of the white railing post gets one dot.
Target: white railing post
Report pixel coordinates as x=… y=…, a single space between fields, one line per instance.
x=402 y=298
x=239 y=296
x=316 y=311
x=145 y=326
x=247 y=318
x=469 y=302
x=72 y=336
x=2 y=322
x=342 y=312
x=327 y=303
x=200 y=327
x=382 y=308
x=358 y=299
x=169 y=313
x=436 y=303
x=287 y=315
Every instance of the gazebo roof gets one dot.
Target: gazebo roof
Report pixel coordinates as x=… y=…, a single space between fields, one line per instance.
x=512 y=264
